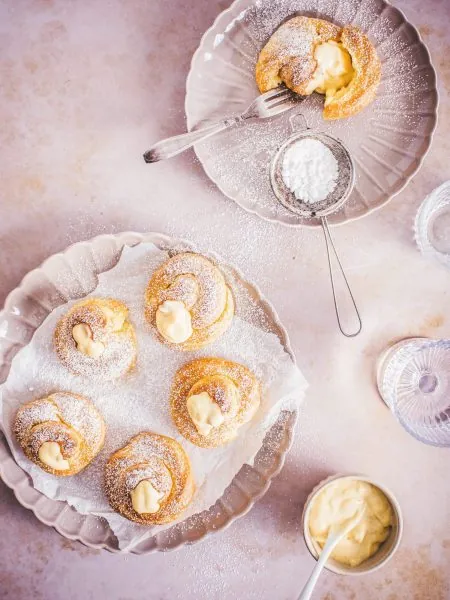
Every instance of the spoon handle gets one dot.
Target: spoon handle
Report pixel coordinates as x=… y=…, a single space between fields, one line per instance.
x=334 y=537
x=307 y=591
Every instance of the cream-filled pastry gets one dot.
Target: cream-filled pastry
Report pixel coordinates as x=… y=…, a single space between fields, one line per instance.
x=313 y=55
x=211 y=399
x=61 y=433
x=94 y=338
x=187 y=302
x=149 y=480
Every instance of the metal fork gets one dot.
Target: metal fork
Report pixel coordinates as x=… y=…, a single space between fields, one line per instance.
x=267 y=105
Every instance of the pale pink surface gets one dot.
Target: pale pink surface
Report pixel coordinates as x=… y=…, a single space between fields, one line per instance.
x=85 y=88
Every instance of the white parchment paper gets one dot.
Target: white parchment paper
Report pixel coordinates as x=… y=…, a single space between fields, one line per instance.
x=140 y=401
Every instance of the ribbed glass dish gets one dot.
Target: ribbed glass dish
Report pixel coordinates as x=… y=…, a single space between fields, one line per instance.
x=432 y=225
x=73 y=274
x=388 y=140
x=414 y=381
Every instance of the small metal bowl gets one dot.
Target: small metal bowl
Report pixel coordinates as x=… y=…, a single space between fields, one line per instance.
x=336 y=199
x=385 y=551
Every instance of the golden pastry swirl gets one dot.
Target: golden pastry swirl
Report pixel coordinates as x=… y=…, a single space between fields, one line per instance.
x=288 y=56
x=350 y=72
x=149 y=480
x=362 y=89
x=95 y=338
x=188 y=302
x=211 y=398
x=61 y=433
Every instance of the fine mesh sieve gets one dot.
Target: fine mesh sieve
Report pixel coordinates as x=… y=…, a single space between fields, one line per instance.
x=321 y=209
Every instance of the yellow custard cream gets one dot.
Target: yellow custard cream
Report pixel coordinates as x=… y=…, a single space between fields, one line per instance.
x=340 y=501
x=334 y=69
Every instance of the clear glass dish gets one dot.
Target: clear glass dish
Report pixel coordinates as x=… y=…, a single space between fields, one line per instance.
x=414 y=381
x=432 y=225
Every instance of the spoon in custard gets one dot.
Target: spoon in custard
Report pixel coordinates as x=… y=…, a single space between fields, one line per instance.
x=337 y=533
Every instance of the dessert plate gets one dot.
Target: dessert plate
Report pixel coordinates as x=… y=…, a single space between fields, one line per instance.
x=388 y=140
x=73 y=274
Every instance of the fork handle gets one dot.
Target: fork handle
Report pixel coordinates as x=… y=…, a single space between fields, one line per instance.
x=179 y=143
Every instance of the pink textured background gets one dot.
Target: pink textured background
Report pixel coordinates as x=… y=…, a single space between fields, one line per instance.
x=86 y=87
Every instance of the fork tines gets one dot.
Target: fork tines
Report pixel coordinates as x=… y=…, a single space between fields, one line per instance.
x=279 y=93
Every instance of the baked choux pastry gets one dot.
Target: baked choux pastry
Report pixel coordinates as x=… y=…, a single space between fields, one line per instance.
x=61 y=434
x=312 y=55
x=211 y=398
x=149 y=480
x=188 y=302
x=95 y=339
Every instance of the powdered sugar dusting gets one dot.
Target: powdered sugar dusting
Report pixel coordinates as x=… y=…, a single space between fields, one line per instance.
x=38 y=412
x=383 y=137
x=140 y=400
x=70 y=409
x=68 y=419
x=290 y=50
x=194 y=280
x=221 y=380
x=80 y=416
x=158 y=459
x=119 y=352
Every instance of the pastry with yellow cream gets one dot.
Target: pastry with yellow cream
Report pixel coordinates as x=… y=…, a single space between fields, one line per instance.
x=96 y=338
x=62 y=433
x=313 y=55
x=188 y=302
x=149 y=480
x=342 y=500
x=211 y=399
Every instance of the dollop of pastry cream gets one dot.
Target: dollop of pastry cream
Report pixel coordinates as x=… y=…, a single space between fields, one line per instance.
x=334 y=69
x=82 y=334
x=173 y=321
x=145 y=498
x=339 y=502
x=204 y=412
x=50 y=454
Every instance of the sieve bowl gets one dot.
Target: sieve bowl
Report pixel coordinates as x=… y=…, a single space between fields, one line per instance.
x=339 y=195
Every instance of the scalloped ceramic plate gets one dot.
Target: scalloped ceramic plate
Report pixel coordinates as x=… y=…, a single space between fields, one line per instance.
x=388 y=140
x=73 y=274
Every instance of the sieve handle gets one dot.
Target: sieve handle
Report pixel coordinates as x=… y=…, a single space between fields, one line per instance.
x=298 y=118
x=336 y=271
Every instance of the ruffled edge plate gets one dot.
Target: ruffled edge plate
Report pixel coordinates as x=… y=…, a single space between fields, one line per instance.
x=390 y=138
x=73 y=274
